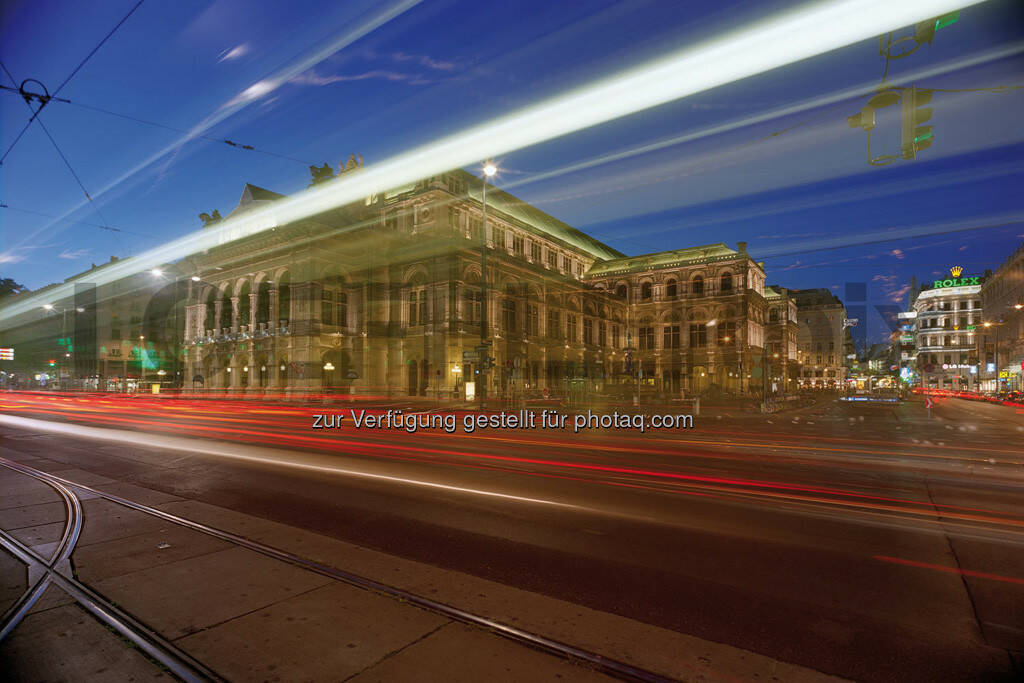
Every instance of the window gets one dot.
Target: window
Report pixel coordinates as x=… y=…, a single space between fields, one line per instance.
x=773 y=315
x=570 y=327
x=671 y=337
x=508 y=315
x=671 y=289
x=726 y=333
x=615 y=336
x=726 y=282
x=472 y=305
x=698 y=334
x=645 y=340
x=518 y=245
x=832 y=346
x=418 y=307
x=453 y=217
x=531 y=320
x=342 y=309
x=554 y=323
x=498 y=237
x=602 y=334
x=115 y=328
x=535 y=251
x=327 y=307
x=697 y=286
x=552 y=258
x=565 y=263
x=645 y=291
x=474 y=229
x=588 y=331
x=621 y=291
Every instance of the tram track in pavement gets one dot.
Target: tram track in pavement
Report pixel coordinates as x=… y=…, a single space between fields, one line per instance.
x=190 y=669
x=56 y=571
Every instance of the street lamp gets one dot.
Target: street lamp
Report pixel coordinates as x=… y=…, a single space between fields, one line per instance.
x=489 y=169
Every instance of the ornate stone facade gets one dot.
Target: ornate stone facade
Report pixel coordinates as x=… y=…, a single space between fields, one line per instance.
x=384 y=297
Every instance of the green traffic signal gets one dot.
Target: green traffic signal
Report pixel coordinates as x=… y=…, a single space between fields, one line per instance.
x=915 y=137
x=947 y=19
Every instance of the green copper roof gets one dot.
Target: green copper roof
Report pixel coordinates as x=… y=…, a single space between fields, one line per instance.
x=662 y=259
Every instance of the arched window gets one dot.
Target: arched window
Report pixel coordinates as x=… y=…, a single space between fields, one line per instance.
x=284 y=299
x=621 y=291
x=244 y=304
x=726 y=283
x=698 y=285
x=671 y=289
x=263 y=303
x=645 y=291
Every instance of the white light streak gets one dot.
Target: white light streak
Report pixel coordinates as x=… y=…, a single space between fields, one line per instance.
x=267 y=456
x=791 y=37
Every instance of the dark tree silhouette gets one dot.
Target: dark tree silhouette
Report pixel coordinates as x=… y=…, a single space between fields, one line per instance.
x=9 y=287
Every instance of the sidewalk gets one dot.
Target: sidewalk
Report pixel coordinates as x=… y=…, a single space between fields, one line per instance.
x=249 y=616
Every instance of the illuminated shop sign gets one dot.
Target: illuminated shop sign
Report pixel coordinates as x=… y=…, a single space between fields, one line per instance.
x=956 y=281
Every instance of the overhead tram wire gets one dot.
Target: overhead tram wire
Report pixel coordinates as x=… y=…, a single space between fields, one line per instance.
x=62 y=155
x=94 y=225
x=96 y=49
x=230 y=143
x=60 y=87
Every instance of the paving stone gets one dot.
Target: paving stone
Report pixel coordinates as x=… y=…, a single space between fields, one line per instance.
x=327 y=634
x=458 y=653
x=170 y=543
x=189 y=595
x=68 y=644
x=32 y=515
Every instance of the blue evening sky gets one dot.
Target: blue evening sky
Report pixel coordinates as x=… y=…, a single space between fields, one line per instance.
x=797 y=187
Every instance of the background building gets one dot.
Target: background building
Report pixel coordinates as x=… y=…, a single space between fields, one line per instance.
x=822 y=339
x=948 y=315
x=1002 y=300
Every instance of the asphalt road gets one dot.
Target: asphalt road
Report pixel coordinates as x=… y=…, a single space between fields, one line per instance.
x=868 y=541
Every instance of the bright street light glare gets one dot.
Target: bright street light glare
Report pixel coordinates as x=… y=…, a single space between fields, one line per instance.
x=789 y=38
x=48 y=307
x=156 y=272
x=195 y=278
x=490 y=169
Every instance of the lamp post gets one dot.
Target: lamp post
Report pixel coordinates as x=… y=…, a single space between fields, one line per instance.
x=489 y=170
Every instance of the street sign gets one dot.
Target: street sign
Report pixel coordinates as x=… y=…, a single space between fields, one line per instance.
x=470 y=357
x=928 y=403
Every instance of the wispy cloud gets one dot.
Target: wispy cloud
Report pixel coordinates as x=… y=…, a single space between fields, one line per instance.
x=311 y=77
x=898 y=294
x=425 y=61
x=884 y=278
x=898 y=253
x=13 y=256
x=234 y=53
x=73 y=254
x=422 y=60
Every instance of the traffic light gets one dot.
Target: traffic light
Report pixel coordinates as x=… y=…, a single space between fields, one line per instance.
x=915 y=137
x=52 y=362
x=866 y=117
x=924 y=32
